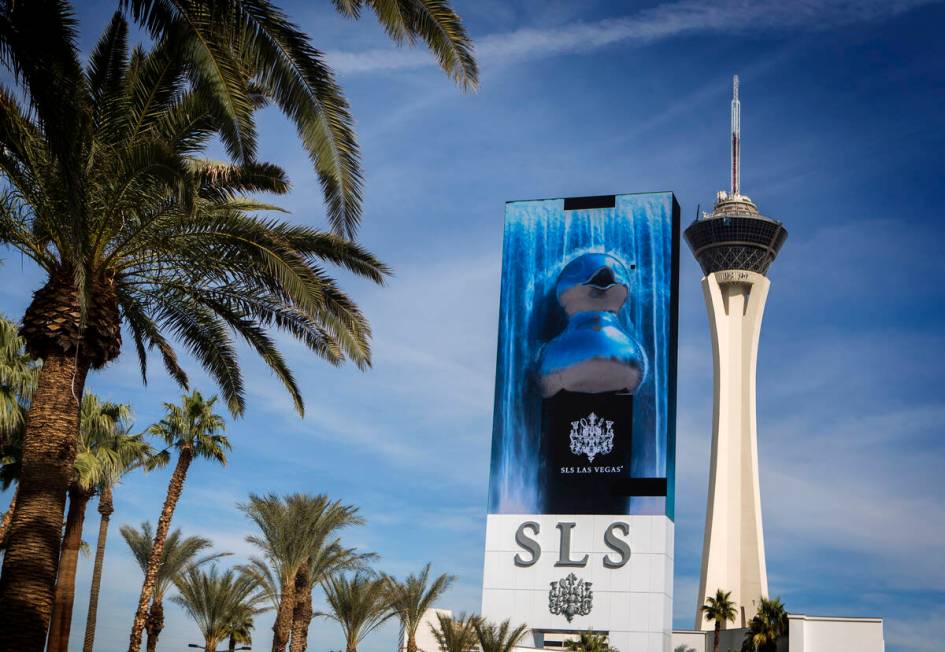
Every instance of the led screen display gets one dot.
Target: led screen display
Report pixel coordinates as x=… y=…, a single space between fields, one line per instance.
x=586 y=371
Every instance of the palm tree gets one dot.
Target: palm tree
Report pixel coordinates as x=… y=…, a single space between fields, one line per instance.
x=358 y=603
x=589 y=642
x=104 y=188
x=195 y=430
x=148 y=460
x=105 y=451
x=412 y=597
x=769 y=624
x=241 y=628
x=92 y=194
x=498 y=638
x=299 y=545
x=243 y=50
x=455 y=634
x=327 y=558
x=721 y=610
x=11 y=454
x=18 y=373
x=218 y=602
x=180 y=553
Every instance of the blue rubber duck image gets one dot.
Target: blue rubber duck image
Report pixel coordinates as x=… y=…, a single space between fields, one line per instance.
x=594 y=354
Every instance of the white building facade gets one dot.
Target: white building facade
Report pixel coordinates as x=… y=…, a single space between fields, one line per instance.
x=631 y=587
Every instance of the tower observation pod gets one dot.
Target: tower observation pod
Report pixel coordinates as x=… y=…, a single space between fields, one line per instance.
x=734 y=244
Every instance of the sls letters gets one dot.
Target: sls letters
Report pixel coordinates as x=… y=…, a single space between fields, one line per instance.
x=525 y=532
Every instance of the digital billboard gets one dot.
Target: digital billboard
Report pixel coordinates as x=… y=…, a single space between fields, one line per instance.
x=585 y=377
x=579 y=530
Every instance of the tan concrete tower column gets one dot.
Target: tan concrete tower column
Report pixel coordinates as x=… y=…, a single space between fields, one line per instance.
x=733 y=557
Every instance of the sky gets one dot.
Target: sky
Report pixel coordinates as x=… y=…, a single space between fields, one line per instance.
x=843 y=125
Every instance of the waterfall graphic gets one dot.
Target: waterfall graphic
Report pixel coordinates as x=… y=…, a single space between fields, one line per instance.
x=540 y=240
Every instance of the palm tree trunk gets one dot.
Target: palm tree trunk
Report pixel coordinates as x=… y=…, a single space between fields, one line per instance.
x=61 y=622
x=28 y=580
x=105 y=509
x=412 y=641
x=351 y=647
x=8 y=515
x=174 y=489
x=155 y=623
x=718 y=636
x=231 y=646
x=283 y=625
x=210 y=645
x=302 y=611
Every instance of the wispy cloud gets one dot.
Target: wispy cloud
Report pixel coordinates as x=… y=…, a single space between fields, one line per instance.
x=649 y=25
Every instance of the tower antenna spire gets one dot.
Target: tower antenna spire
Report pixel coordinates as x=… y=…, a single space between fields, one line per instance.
x=736 y=140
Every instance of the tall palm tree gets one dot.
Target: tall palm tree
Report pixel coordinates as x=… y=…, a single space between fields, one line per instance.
x=412 y=597
x=104 y=188
x=455 y=634
x=299 y=545
x=148 y=460
x=720 y=610
x=218 y=602
x=195 y=431
x=105 y=451
x=500 y=637
x=180 y=553
x=769 y=624
x=358 y=603
x=244 y=49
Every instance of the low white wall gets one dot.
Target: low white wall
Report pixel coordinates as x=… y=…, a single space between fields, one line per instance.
x=830 y=634
x=684 y=641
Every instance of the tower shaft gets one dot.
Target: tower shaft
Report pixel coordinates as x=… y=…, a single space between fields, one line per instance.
x=733 y=557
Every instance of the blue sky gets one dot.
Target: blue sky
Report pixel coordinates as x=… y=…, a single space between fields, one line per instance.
x=843 y=121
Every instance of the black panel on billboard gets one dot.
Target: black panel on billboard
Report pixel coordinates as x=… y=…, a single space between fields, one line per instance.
x=586 y=444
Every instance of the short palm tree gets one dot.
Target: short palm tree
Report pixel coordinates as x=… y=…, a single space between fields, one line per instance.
x=769 y=624
x=106 y=450
x=328 y=558
x=241 y=629
x=180 y=553
x=589 y=642
x=147 y=459
x=500 y=637
x=455 y=633
x=218 y=602
x=359 y=603
x=195 y=431
x=105 y=189
x=719 y=609
x=411 y=598
x=18 y=373
x=11 y=454
x=299 y=545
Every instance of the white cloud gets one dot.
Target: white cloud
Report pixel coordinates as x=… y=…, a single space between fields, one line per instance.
x=649 y=25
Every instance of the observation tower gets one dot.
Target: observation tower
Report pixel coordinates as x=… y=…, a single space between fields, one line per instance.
x=734 y=244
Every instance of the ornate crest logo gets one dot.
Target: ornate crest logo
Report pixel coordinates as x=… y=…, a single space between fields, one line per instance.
x=592 y=436
x=571 y=597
